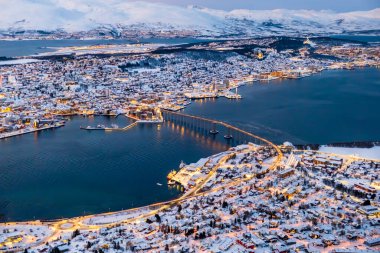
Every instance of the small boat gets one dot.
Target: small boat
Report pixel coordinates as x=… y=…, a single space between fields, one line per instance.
x=159 y=184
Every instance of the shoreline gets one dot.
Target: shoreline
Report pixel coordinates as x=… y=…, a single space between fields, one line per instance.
x=181 y=197
x=240 y=84
x=22 y=132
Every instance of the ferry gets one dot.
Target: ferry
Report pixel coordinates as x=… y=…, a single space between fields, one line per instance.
x=233 y=96
x=98 y=127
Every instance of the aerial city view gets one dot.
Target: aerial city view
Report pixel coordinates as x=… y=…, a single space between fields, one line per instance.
x=189 y=126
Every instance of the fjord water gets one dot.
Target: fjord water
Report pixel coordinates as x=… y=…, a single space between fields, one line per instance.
x=332 y=106
x=68 y=172
x=17 y=48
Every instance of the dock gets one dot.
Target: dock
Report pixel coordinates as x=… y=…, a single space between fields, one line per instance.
x=27 y=131
x=103 y=128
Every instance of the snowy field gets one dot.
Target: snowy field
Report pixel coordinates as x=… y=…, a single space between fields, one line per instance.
x=14 y=236
x=369 y=153
x=19 y=61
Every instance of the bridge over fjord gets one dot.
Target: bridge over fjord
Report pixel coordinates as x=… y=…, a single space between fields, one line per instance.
x=232 y=134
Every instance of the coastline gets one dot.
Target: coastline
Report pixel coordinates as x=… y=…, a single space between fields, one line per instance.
x=238 y=175
x=23 y=131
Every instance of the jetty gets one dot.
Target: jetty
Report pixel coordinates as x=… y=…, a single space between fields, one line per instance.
x=104 y=128
x=30 y=130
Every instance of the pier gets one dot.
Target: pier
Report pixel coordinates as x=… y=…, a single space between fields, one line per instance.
x=28 y=131
x=103 y=128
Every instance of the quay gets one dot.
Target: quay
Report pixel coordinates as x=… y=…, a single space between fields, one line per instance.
x=24 y=131
x=103 y=128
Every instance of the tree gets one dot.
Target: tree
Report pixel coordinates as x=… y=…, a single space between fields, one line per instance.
x=367 y=202
x=55 y=250
x=75 y=233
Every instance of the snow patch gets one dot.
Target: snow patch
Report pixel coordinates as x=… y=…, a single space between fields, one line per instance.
x=83 y=15
x=368 y=153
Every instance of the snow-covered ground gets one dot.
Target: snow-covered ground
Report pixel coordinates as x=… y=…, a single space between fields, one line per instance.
x=369 y=153
x=20 y=61
x=82 y=15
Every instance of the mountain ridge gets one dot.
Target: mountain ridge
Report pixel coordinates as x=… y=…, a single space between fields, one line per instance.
x=20 y=16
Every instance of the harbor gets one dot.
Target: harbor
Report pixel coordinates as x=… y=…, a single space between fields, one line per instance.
x=159 y=148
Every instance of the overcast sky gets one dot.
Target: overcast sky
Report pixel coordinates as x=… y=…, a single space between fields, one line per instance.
x=336 y=5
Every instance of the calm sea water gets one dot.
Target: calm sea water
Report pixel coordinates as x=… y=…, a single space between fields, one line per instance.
x=30 y=47
x=332 y=106
x=361 y=38
x=68 y=172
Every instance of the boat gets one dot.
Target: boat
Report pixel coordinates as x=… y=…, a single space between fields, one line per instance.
x=98 y=127
x=159 y=184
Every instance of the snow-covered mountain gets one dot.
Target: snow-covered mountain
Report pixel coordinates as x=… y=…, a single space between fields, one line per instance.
x=119 y=15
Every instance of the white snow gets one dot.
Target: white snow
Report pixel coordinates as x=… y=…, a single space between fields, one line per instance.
x=19 y=61
x=81 y=15
x=369 y=153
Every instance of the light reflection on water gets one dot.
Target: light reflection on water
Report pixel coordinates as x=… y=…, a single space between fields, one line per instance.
x=66 y=171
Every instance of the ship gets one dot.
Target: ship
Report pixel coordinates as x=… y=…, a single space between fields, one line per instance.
x=98 y=127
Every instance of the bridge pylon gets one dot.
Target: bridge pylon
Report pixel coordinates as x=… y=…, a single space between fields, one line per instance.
x=228 y=135
x=213 y=130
